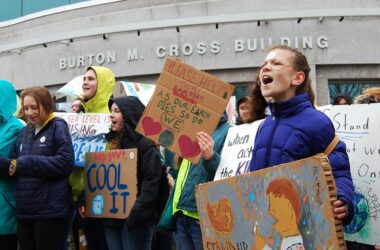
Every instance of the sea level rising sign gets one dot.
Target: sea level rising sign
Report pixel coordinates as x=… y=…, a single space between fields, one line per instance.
x=87 y=133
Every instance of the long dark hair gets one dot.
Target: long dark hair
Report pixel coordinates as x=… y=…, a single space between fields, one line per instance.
x=258 y=103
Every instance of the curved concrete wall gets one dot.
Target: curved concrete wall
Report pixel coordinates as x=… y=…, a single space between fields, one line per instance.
x=227 y=38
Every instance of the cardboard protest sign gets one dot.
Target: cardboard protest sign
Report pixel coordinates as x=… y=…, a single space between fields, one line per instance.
x=184 y=102
x=359 y=127
x=110 y=183
x=237 y=150
x=282 y=207
x=142 y=91
x=87 y=133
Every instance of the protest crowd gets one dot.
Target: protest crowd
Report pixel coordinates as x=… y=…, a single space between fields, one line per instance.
x=43 y=197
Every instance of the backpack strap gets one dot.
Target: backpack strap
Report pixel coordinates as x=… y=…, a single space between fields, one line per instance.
x=332 y=145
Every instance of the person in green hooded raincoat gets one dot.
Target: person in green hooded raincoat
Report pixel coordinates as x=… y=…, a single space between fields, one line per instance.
x=10 y=126
x=98 y=84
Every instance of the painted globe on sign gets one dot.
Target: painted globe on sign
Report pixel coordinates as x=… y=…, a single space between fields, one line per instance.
x=166 y=138
x=98 y=205
x=361 y=214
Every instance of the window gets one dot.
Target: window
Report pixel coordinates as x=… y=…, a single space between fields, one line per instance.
x=242 y=90
x=351 y=87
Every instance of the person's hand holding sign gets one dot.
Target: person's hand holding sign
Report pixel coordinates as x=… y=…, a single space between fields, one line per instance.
x=82 y=211
x=340 y=209
x=206 y=144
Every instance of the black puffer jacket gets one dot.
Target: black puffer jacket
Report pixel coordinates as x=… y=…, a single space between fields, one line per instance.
x=149 y=168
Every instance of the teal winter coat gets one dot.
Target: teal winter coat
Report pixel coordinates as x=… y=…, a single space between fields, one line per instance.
x=203 y=171
x=10 y=126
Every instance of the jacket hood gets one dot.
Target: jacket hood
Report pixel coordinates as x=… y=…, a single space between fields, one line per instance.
x=106 y=83
x=8 y=101
x=132 y=109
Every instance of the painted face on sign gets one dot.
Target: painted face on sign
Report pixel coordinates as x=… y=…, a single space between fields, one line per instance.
x=278 y=78
x=116 y=117
x=33 y=111
x=282 y=210
x=90 y=84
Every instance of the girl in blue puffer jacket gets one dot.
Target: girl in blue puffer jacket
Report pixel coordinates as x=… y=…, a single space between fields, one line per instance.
x=295 y=130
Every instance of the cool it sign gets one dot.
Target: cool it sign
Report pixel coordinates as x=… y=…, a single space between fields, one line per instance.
x=110 y=183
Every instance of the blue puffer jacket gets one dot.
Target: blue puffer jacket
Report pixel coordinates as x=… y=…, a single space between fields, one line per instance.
x=295 y=131
x=44 y=163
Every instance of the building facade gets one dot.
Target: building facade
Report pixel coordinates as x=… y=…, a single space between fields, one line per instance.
x=226 y=38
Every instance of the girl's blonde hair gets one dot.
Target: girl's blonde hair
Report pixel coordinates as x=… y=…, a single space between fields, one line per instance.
x=372 y=92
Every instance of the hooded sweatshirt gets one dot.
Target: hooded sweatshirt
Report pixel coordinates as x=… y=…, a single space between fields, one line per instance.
x=97 y=104
x=10 y=126
x=149 y=169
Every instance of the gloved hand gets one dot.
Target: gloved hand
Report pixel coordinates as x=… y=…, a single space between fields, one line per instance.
x=4 y=166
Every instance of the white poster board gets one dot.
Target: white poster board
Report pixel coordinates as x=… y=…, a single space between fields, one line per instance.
x=237 y=150
x=87 y=133
x=72 y=89
x=359 y=127
x=325 y=109
x=231 y=111
x=140 y=90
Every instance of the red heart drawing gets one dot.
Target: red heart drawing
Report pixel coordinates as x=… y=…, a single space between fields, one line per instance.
x=151 y=127
x=187 y=147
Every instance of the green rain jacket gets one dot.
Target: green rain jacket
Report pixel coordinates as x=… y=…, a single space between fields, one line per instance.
x=106 y=82
x=203 y=171
x=97 y=104
x=10 y=126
